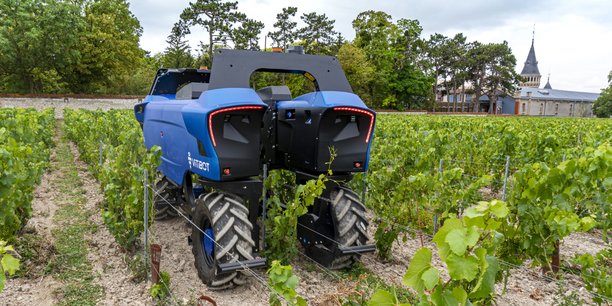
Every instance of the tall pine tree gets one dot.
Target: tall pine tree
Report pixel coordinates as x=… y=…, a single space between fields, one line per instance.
x=178 y=52
x=286 y=32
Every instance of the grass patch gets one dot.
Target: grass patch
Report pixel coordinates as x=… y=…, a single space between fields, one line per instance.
x=70 y=265
x=35 y=252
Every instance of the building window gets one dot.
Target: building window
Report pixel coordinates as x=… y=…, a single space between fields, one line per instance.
x=556 y=109
x=523 y=109
x=571 y=112
x=541 y=108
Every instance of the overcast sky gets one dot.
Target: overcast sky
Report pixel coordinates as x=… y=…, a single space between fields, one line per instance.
x=573 y=39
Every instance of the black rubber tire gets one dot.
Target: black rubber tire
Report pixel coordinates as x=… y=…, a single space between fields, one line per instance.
x=351 y=224
x=232 y=232
x=166 y=193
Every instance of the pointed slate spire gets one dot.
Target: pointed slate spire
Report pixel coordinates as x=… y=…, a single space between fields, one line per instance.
x=547 y=86
x=531 y=64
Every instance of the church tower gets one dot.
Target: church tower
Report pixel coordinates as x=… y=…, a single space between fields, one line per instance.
x=531 y=74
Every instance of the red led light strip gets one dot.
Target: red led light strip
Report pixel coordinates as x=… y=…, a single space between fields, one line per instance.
x=359 y=110
x=224 y=110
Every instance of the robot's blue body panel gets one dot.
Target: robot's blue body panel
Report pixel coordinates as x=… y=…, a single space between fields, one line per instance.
x=177 y=125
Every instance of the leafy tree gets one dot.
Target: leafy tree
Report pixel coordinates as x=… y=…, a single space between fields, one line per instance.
x=476 y=71
x=247 y=35
x=490 y=69
x=409 y=82
x=286 y=32
x=39 y=43
x=318 y=34
x=339 y=42
x=215 y=16
x=109 y=45
x=374 y=33
x=457 y=49
x=439 y=66
x=447 y=57
x=501 y=78
x=394 y=50
x=359 y=71
x=178 y=52
x=603 y=105
x=139 y=81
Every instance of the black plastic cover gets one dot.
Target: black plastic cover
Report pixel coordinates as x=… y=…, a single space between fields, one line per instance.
x=233 y=68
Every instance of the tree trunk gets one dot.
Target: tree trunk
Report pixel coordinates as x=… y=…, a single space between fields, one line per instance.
x=476 y=100
x=210 y=46
x=463 y=97
x=454 y=96
x=495 y=98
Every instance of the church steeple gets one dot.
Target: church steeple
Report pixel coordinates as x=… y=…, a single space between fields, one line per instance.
x=547 y=86
x=531 y=73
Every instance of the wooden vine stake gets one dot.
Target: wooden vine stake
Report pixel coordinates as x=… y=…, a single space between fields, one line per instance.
x=155 y=260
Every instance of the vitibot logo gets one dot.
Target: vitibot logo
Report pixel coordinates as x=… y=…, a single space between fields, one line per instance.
x=198 y=164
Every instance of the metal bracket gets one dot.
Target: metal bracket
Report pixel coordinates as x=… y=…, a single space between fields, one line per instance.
x=241 y=265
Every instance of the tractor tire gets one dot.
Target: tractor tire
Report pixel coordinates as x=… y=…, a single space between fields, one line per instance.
x=166 y=196
x=351 y=224
x=225 y=220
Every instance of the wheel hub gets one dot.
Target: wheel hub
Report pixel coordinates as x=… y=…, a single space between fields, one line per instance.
x=208 y=244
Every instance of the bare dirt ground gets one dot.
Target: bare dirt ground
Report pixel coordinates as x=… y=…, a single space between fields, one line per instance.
x=317 y=286
x=37 y=290
x=105 y=255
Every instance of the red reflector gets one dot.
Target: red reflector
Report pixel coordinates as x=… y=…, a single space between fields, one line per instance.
x=357 y=165
x=226 y=171
x=361 y=111
x=224 y=110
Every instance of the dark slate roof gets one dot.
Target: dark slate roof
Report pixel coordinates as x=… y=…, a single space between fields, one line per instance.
x=558 y=95
x=547 y=86
x=531 y=64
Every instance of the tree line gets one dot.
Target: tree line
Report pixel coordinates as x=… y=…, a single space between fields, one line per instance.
x=92 y=46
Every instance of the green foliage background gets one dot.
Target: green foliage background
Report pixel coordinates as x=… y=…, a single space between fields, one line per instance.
x=92 y=47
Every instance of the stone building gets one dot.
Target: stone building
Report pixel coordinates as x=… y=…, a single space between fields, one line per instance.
x=529 y=99
x=533 y=101
x=554 y=102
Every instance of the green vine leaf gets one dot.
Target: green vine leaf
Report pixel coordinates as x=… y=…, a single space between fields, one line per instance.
x=460 y=267
x=420 y=263
x=430 y=278
x=10 y=264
